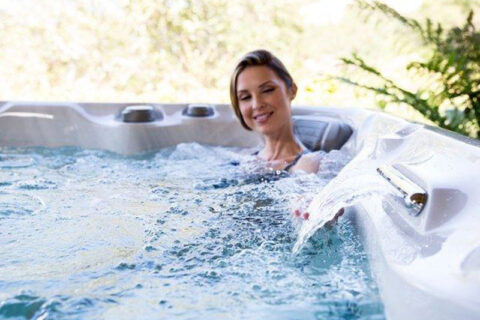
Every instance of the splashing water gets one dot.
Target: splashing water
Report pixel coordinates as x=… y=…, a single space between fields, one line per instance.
x=357 y=181
x=186 y=232
x=345 y=190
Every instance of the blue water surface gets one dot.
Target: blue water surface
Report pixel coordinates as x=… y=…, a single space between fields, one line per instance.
x=188 y=232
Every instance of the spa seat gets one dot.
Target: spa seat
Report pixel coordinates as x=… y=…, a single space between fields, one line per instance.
x=318 y=132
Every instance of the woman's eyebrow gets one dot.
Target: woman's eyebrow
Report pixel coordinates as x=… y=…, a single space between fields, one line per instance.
x=260 y=86
x=239 y=92
x=265 y=83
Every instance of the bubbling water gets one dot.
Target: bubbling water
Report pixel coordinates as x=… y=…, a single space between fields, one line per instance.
x=190 y=231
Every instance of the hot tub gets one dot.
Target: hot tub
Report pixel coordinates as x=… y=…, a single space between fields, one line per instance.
x=410 y=190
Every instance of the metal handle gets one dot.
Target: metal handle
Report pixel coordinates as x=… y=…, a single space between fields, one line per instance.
x=414 y=196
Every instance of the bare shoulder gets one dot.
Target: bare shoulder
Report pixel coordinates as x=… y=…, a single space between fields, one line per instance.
x=308 y=163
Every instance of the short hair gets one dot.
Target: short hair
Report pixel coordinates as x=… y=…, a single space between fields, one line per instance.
x=256 y=58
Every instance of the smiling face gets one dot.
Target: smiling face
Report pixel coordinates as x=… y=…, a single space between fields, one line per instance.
x=264 y=100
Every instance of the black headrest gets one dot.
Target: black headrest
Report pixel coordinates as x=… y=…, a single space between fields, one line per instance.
x=321 y=132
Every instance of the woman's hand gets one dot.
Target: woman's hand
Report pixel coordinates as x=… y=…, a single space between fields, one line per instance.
x=332 y=222
x=300 y=211
x=298 y=207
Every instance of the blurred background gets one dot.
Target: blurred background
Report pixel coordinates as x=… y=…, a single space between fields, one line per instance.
x=184 y=51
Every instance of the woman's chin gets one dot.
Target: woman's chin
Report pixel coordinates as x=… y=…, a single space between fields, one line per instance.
x=270 y=128
x=265 y=130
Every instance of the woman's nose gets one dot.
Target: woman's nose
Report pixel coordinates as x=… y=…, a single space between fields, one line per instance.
x=257 y=103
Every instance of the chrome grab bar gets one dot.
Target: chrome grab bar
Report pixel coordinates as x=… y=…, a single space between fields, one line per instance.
x=414 y=196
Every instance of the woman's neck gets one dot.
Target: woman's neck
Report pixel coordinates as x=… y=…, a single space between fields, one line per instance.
x=280 y=147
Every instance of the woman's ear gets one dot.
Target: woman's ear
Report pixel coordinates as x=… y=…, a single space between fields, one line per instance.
x=292 y=91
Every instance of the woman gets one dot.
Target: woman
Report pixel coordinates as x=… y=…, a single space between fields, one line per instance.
x=261 y=92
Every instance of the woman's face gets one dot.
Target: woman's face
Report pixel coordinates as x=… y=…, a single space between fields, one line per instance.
x=264 y=99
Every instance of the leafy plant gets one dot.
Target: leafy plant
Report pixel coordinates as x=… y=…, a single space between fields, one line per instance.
x=451 y=98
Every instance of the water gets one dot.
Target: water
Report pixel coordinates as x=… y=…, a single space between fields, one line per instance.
x=189 y=232
x=359 y=182
x=358 y=179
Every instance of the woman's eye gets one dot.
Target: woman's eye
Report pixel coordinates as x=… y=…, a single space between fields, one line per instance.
x=244 y=98
x=268 y=90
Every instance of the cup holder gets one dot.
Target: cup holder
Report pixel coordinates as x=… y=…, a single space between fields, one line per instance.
x=198 y=111
x=140 y=114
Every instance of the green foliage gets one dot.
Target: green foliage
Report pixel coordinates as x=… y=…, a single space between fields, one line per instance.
x=451 y=96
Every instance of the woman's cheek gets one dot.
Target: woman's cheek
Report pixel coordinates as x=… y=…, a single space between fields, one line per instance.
x=245 y=111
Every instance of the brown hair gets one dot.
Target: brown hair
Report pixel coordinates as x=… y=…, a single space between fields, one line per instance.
x=256 y=58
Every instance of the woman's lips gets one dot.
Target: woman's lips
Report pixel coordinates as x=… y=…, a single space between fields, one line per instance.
x=262 y=118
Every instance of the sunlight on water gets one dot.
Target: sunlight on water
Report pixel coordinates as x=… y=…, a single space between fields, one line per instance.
x=188 y=232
